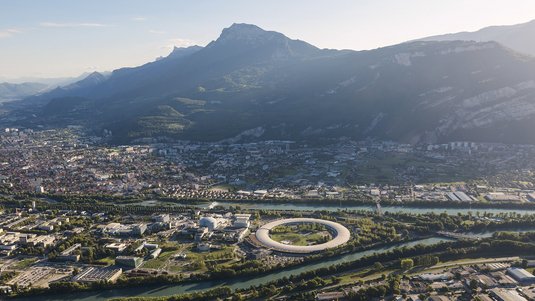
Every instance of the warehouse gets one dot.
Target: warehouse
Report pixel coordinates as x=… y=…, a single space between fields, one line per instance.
x=463 y=197
x=129 y=261
x=95 y=274
x=521 y=275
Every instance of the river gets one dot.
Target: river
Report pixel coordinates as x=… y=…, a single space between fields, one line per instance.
x=250 y=281
x=238 y=283
x=393 y=209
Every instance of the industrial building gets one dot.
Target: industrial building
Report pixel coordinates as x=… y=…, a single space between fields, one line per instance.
x=209 y=222
x=501 y=294
x=521 y=275
x=154 y=254
x=463 y=197
x=150 y=246
x=458 y=196
x=129 y=261
x=117 y=229
x=95 y=274
x=162 y=218
x=70 y=254
x=502 y=197
x=116 y=247
x=242 y=220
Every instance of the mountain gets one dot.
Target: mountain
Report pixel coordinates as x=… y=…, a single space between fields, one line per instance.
x=255 y=84
x=179 y=52
x=83 y=84
x=10 y=91
x=46 y=88
x=518 y=37
x=88 y=81
x=49 y=81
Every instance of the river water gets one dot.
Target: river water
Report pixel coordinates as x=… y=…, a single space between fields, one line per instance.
x=313 y=207
x=238 y=283
x=393 y=209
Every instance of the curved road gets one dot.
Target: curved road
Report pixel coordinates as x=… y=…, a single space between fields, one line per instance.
x=342 y=235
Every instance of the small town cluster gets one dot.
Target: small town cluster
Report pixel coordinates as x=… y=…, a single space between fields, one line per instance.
x=494 y=280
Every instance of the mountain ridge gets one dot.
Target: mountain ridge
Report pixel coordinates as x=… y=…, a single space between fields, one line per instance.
x=516 y=36
x=255 y=81
x=15 y=91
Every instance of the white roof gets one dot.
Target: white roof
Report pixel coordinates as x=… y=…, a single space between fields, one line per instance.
x=341 y=237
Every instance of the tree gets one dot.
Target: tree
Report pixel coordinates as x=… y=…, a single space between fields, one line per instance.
x=381 y=291
x=426 y=260
x=406 y=264
x=335 y=280
x=378 y=266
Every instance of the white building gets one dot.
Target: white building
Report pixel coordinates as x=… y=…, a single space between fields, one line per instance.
x=162 y=218
x=242 y=220
x=209 y=222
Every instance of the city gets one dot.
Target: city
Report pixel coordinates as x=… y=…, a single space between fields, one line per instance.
x=267 y=150
x=37 y=162
x=174 y=213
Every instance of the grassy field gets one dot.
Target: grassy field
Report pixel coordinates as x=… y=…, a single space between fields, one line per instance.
x=24 y=263
x=224 y=253
x=299 y=237
x=293 y=238
x=106 y=260
x=195 y=261
x=159 y=262
x=170 y=248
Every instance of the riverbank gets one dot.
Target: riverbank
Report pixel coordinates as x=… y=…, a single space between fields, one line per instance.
x=401 y=208
x=237 y=283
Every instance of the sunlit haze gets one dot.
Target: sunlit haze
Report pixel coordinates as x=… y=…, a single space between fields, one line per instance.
x=58 y=38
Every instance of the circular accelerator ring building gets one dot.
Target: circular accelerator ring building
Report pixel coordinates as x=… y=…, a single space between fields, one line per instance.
x=341 y=235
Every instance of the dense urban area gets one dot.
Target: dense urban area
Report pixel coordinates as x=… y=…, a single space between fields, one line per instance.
x=67 y=162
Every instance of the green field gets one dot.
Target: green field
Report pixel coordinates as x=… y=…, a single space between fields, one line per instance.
x=24 y=263
x=226 y=253
x=302 y=235
x=194 y=262
x=106 y=261
x=159 y=262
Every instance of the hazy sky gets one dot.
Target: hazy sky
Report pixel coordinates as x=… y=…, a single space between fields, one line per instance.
x=53 y=38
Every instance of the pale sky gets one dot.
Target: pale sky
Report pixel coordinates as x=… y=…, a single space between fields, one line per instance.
x=57 y=38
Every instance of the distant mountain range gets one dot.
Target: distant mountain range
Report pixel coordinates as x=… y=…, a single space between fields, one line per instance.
x=254 y=84
x=17 y=89
x=9 y=91
x=520 y=37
